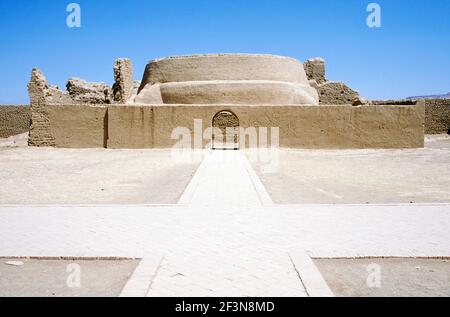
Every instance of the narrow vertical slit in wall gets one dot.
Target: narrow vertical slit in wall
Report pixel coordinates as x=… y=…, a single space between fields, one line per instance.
x=105 y=130
x=152 y=126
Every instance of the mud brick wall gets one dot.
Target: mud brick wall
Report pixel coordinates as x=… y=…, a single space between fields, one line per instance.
x=437 y=116
x=14 y=120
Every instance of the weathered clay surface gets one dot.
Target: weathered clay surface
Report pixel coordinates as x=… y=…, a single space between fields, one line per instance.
x=315 y=69
x=404 y=102
x=330 y=92
x=224 y=67
x=301 y=126
x=437 y=112
x=237 y=92
x=14 y=120
x=336 y=93
x=124 y=83
x=134 y=90
x=40 y=95
x=82 y=91
x=78 y=126
x=41 y=91
x=151 y=94
x=261 y=90
x=226 y=78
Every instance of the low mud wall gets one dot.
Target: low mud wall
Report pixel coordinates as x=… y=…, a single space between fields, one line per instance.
x=309 y=127
x=437 y=116
x=14 y=120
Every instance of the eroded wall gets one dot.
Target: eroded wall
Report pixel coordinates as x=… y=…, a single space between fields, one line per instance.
x=78 y=126
x=437 y=116
x=14 y=120
x=334 y=127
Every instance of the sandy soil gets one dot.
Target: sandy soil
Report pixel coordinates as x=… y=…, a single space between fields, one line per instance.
x=400 y=277
x=19 y=140
x=49 y=278
x=91 y=176
x=362 y=176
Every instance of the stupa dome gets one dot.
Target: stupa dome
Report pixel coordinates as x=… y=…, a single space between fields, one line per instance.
x=226 y=79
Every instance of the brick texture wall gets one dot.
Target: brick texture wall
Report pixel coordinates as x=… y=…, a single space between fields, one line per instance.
x=437 y=116
x=14 y=120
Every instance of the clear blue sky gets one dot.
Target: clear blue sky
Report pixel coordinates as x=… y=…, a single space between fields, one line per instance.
x=409 y=55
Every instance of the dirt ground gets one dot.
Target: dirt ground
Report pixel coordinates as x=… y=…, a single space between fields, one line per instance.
x=60 y=278
x=362 y=176
x=398 y=277
x=97 y=176
x=91 y=176
x=19 y=140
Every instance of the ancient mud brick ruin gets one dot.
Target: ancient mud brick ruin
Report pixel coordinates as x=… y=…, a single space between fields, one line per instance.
x=248 y=91
x=124 y=86
x=330 y=92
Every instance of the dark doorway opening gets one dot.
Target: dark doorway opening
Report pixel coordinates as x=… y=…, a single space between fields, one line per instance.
x=225 y=131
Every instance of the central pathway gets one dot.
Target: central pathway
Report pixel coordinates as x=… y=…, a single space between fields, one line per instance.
x=225 y=178
x=225 y=237
x=233 y=265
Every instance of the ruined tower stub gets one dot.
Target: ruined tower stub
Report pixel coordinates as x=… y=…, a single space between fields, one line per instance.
x=315 y=69
x=38 y=87
x=330 y=92
x=123 y=76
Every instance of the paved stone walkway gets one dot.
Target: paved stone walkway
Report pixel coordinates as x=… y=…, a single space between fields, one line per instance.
x=135 y=231
x=226 y=250
x=216 y=245
x=225 y=178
